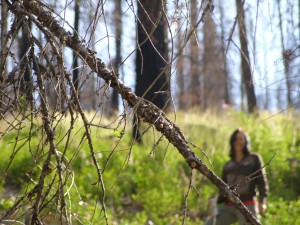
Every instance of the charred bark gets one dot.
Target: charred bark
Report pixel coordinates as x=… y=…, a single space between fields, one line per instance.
x=152 y=82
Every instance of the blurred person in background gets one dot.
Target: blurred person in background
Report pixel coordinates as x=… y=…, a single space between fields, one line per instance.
x=244 y=174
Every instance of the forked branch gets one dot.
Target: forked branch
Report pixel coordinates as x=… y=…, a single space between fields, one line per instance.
x=144 y=109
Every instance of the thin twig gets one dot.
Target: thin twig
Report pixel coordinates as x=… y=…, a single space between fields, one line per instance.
x=185 y=204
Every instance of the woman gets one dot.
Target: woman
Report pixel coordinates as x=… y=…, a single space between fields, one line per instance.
x=235 y=174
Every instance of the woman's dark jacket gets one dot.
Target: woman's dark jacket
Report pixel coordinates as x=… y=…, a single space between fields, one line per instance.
x=238 y=177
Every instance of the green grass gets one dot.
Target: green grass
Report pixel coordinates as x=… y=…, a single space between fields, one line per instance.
x=149 y=181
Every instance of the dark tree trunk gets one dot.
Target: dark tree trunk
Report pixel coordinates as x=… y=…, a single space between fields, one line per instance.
x=3 y=63
x=152 y=78
x=4 y=11
x=246 y=68
x=26 y=80
x=75 y=59
x=118 y=59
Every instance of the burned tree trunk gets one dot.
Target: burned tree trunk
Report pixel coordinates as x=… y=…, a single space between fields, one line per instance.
x=118 y=58
x=246 y=68
x=26 y=79
x=75 y=59
x=152 y=81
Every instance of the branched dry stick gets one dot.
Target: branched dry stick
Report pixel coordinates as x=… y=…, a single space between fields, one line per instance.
x=50 y=136
x=185 y=207
x=88 y=136
x=145 y=110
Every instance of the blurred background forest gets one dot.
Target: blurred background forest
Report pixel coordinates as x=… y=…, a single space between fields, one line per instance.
x=211 y=66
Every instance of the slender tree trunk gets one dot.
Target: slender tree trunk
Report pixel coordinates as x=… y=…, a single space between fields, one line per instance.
x=286 y=61
x=266 y=103
x=246 y=68
x=118 y=59
x=227 y=99
x=152 y=78
x=299 y=40
x=242 y=88
x=93 y=41
x=75 y=59
x=3 y=63
x=194 y=86
x=214 y=78
x=180 y=72
x=26 y=80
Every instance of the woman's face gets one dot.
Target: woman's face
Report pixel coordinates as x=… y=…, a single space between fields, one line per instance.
x=240 y=142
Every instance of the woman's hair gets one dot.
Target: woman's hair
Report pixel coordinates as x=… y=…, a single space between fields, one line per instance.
x=246 y=149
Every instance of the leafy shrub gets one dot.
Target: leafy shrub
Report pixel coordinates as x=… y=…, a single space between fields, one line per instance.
x=154 y=179
x=281 y=211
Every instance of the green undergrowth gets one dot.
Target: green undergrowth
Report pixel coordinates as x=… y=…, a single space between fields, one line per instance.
x=146 y=183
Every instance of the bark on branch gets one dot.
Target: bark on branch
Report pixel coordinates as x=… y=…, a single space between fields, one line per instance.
x=144 y=109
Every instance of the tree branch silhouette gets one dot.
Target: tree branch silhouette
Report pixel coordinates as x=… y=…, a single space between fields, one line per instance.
x=145 y=110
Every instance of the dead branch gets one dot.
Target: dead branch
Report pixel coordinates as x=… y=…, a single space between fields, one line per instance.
x=146 y=111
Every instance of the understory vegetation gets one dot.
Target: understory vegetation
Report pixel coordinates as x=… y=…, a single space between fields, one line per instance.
x=148 y=182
